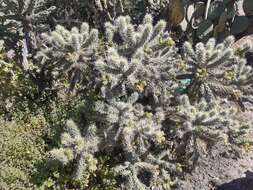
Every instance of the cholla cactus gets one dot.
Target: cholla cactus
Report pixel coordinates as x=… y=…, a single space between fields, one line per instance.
x=26 y=17
x=212 y=69
x=110 y=8
x=69 y=52
x=206 y=122
x=117 y=76
x=157 y=170
x=113 y=8
x=96 y=12
x=21 y=21
x=242 y=79
x=77 y=148
x=132 y=172
x=7 y=68
x=2 y=56
x=137 y=75
x=140 y=41
x=130 y=127
x=121 y=125
x=139 y=59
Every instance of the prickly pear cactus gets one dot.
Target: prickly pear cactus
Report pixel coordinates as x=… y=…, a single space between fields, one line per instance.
x=212 y=18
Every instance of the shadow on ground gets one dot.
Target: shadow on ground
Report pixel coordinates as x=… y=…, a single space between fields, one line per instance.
x=245 y=183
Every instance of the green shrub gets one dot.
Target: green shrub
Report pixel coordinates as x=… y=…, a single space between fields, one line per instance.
x=22 y=148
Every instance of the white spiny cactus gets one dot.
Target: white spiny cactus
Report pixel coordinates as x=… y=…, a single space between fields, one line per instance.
x=137 y=76
x=69 y=51
x=205 y=122
x=139 y=58
x=128 y=124
x=131 y=171
x=211 y=68
x=77 y=148
x=22 y=19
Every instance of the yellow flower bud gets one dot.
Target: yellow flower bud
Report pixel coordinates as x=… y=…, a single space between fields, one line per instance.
x=170 y=42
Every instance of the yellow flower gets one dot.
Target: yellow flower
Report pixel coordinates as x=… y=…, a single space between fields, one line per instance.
x=2 y=56
x=246 y=146
x=161 y=41
x=140 y=86
x=69 y=153
x=147 y=49
x=179 y=168
x=170 y=42
x=160 y=137
x=182 y=66
x=201 y=73
x=92 y=163
x=148 y=114
x=229 y=75
x=74 y=56
x=167 y=184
